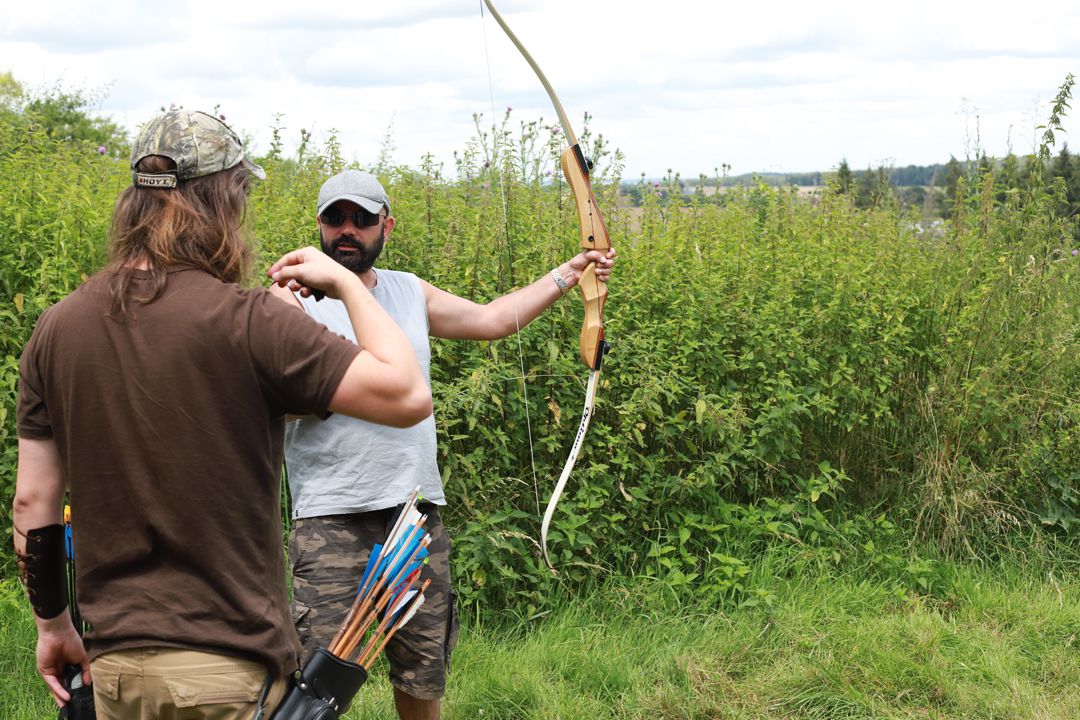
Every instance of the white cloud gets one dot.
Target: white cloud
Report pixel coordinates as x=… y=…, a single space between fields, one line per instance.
x=682 y=84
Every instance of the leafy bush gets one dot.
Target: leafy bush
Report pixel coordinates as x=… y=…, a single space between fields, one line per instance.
x=785 y=373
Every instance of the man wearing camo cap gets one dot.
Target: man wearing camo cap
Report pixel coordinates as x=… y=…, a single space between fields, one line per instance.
x=155 y=395
x=347 y=477
x=198 y=144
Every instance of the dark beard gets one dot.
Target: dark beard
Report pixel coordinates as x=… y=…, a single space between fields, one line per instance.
x=359 y=260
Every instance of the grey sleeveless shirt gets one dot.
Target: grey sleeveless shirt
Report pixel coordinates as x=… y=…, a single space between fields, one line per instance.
x=343 y=465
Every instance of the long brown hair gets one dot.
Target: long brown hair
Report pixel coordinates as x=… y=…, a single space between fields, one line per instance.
x=200 y=223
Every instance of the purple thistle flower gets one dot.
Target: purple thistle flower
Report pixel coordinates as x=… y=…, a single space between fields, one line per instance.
x=508 y=108
x=101 y=151
x=1075 y=253
x=548 y=173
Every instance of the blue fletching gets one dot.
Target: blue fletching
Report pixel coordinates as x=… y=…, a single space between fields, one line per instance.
x=404 y=557
x=398 y=547
x=418 y=559
x=417 y=562
x=371 y=563
x=384 y=561
x=401 y=547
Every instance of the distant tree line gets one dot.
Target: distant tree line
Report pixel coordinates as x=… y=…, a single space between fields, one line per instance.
x=67 y=115
x=61 y=114
x=931 y=188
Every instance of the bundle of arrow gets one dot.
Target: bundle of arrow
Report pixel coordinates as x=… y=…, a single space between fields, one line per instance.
x=388 y=597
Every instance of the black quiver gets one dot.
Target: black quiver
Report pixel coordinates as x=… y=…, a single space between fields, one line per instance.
x=81 y=704
x=323 y=690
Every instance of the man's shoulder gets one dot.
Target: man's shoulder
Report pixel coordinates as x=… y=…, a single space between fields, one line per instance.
x=91 y=294
x=400 y=282
x=400 y=276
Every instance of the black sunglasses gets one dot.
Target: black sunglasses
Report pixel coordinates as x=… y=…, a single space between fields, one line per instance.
x=335 y=217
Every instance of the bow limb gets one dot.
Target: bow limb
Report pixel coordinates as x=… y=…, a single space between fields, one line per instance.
x=571 y=138
x=571 y=459
x=594 y=236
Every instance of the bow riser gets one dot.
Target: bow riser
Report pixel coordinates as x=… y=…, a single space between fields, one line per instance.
x=594 y=293
x=594 y=236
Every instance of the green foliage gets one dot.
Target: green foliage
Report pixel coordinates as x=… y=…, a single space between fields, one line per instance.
x=57 y=199
x=11 y=92
x=23 y=694
x=61 y=114
x=809 y=379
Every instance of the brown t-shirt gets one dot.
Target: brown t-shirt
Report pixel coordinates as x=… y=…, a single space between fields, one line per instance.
x=169 y=426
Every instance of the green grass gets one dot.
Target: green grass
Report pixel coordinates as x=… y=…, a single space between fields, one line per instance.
x=829 y=648
x=994 y=643
x=22 y=692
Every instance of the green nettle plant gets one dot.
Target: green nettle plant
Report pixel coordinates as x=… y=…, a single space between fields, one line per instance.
x=786 y=375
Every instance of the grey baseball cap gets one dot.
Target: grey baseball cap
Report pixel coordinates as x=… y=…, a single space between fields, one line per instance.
x=355 y=186
x=198 y=143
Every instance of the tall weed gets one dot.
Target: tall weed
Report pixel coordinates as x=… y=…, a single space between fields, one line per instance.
x=803 y=376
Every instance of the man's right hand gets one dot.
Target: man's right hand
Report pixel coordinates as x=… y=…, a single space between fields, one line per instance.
x=309 y=270
x=384 y=383
x=59 y=645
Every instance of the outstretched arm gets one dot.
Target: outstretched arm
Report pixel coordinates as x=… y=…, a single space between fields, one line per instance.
x=453 y=317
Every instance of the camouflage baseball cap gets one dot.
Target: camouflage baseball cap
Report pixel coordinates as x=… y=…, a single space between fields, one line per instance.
x=198 y=143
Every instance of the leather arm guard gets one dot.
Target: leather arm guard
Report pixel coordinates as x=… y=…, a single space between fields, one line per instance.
x=324 y=689
x=42 y=571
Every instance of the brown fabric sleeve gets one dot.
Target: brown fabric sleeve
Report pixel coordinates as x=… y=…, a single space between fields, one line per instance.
x=298 y=361
x=32 y=415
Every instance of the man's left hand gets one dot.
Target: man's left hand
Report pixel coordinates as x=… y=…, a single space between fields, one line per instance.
x=604 y=263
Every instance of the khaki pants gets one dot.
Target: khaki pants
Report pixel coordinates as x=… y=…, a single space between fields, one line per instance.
x=171 y=684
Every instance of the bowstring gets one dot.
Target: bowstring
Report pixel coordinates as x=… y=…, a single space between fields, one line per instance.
x=497 y=159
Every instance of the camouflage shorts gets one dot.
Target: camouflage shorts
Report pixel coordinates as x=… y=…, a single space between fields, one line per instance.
x=328 y=556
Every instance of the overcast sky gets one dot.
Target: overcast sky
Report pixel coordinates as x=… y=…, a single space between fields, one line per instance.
x=784 y=85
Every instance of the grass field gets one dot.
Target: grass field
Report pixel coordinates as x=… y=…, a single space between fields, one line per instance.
x=834 y=470
x=995 y=643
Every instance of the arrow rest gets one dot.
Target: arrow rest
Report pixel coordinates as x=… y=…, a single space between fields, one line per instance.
x=583 y=162
x=603 y=349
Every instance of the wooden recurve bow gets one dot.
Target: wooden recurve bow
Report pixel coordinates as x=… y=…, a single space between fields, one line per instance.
x=594 y=236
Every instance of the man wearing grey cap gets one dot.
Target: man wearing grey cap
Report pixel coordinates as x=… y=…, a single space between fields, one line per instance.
x=347 y=476
x=155 y=396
